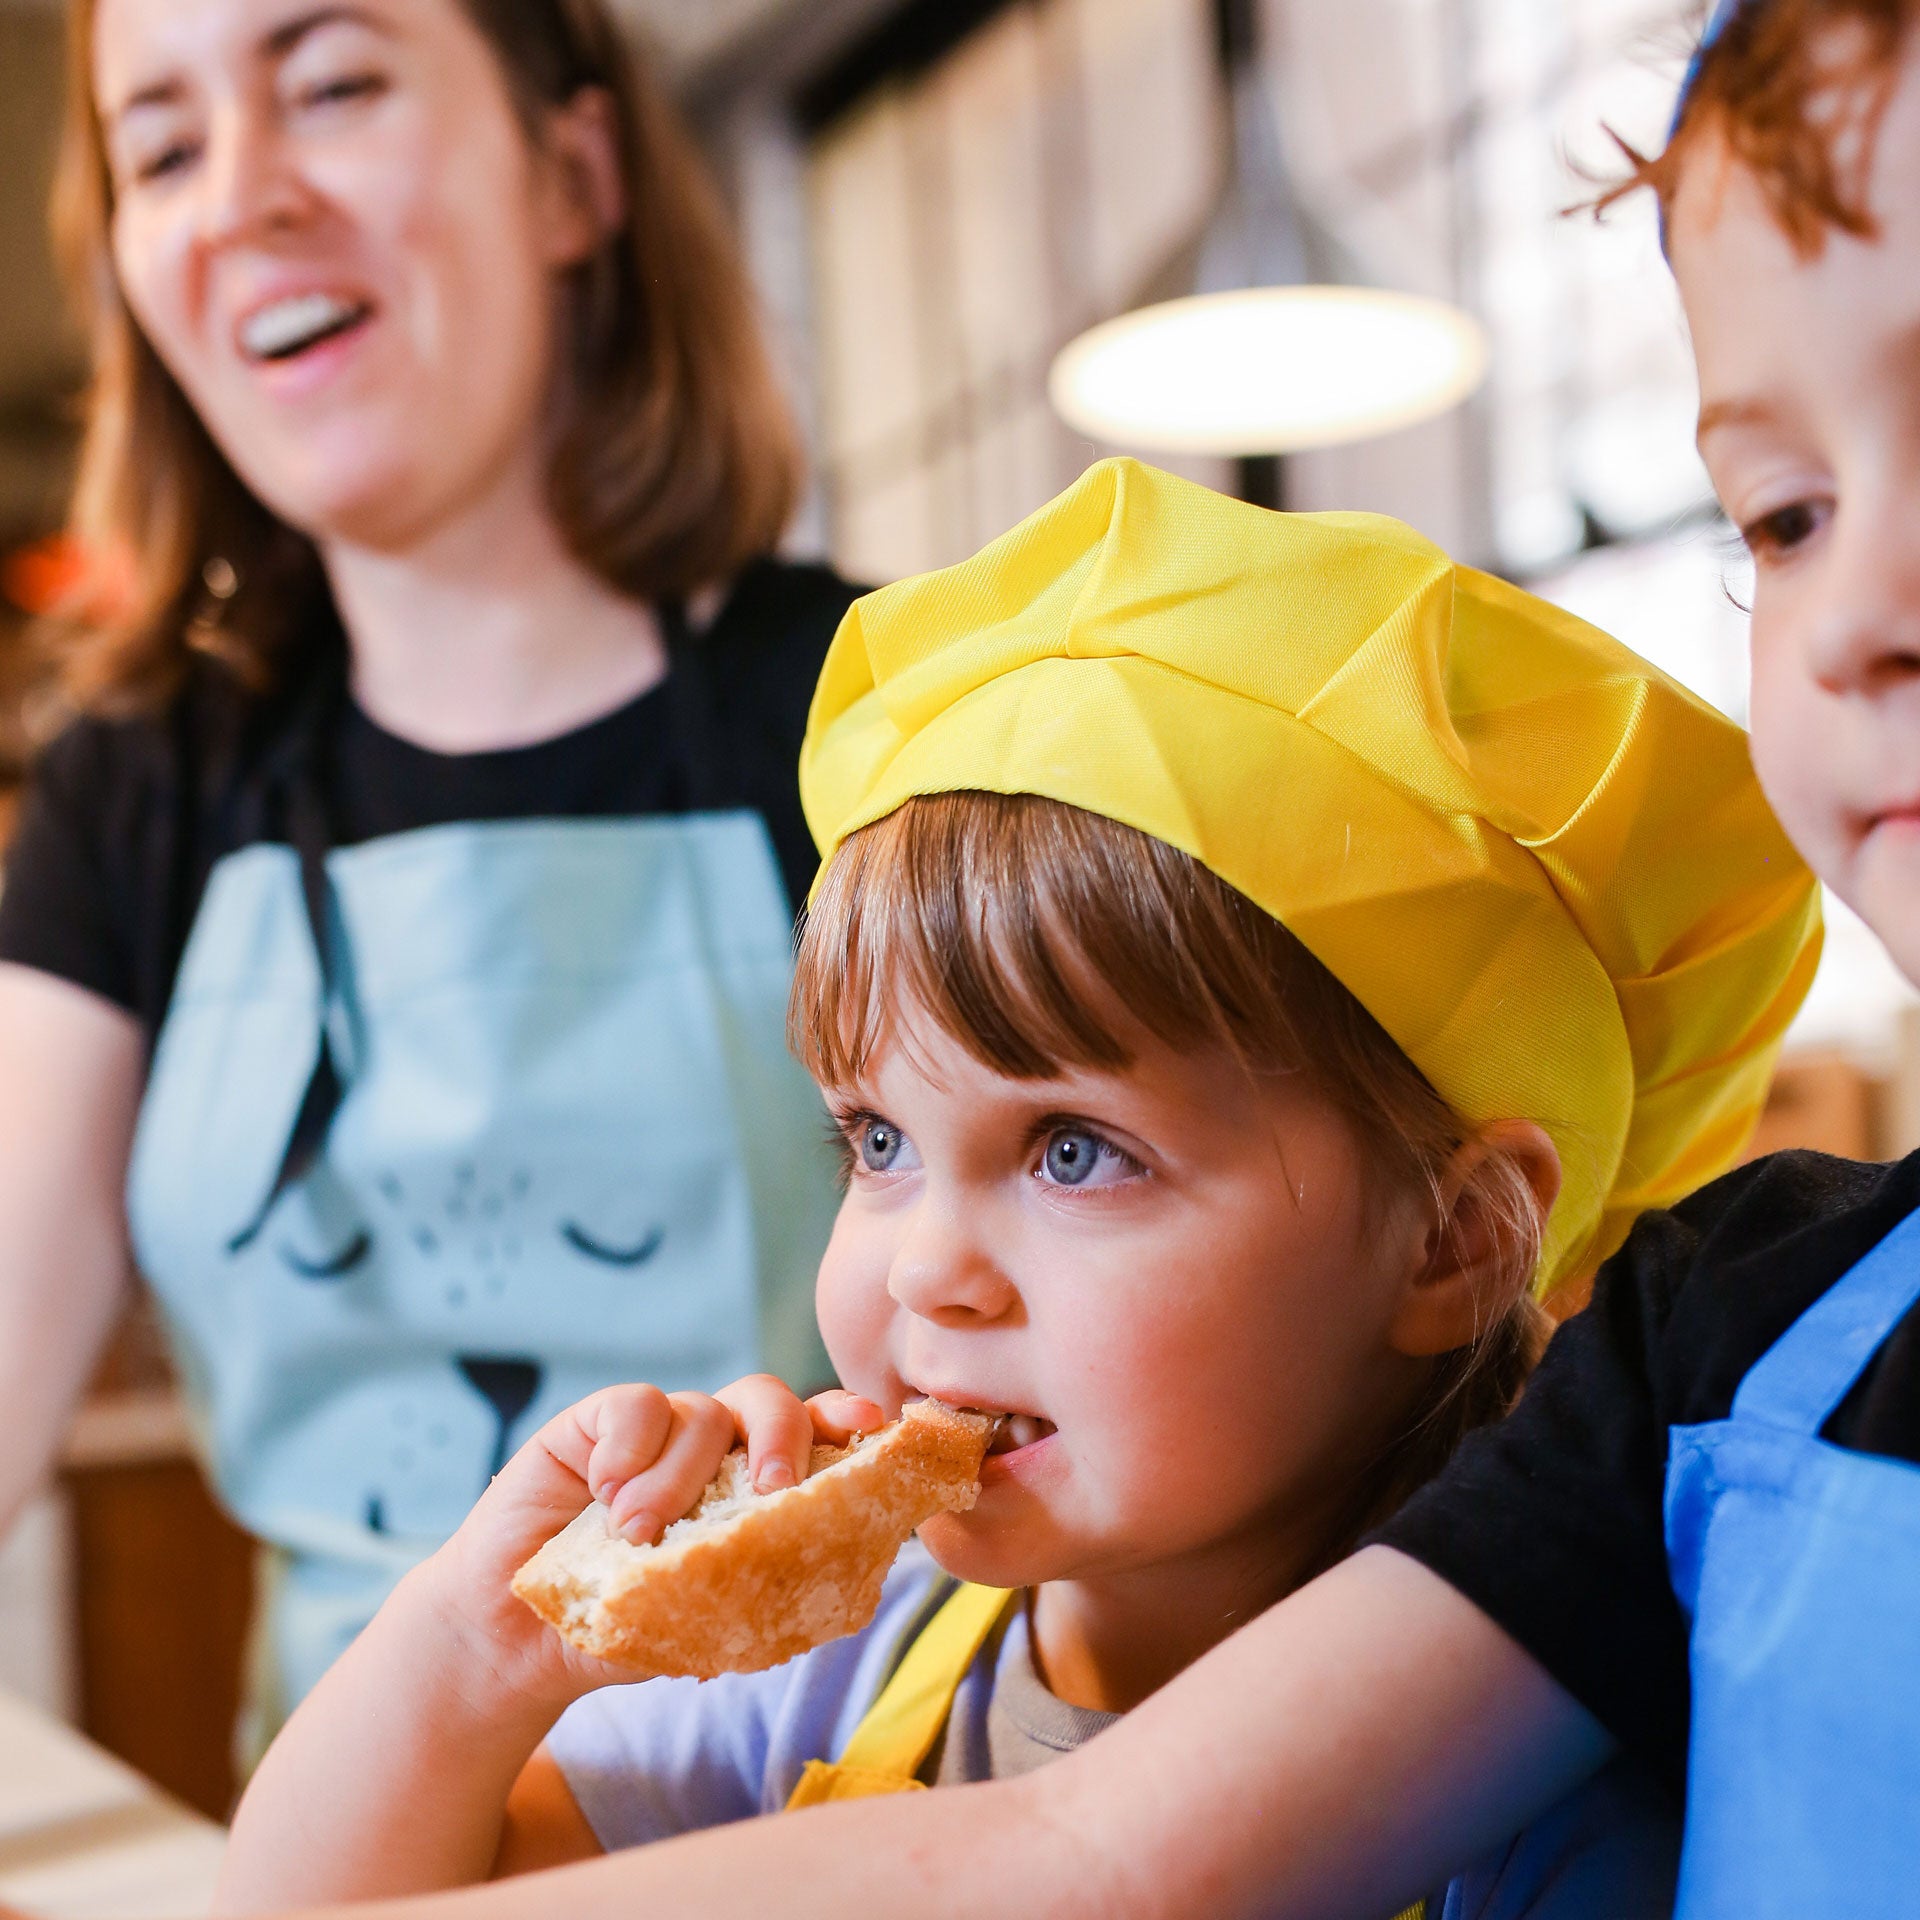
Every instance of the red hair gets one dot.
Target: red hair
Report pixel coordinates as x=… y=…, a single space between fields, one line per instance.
x=1795 y=89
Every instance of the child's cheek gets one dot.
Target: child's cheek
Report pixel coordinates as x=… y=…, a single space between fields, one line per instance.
x=853 y=1305
x=1793 y=756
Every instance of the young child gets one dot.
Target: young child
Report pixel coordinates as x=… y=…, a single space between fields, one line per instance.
x=1251 y=954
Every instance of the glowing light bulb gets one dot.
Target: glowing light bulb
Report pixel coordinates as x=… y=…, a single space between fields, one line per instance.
x=1268 y=370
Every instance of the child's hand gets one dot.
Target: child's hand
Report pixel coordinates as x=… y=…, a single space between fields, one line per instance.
x=652 y=1454
x=392 y=1773
x=646 y=1456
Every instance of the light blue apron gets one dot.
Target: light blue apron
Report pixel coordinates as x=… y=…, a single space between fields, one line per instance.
x=1799 y=1564
x=559 y=1143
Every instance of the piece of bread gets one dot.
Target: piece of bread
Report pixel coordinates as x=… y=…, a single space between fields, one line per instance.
x=748 y=1580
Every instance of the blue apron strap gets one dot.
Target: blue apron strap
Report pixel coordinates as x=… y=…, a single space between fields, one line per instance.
x=307 y=828
x=1799 y=1381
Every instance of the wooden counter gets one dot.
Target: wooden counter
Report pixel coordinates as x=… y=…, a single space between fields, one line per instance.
x=82 y=1835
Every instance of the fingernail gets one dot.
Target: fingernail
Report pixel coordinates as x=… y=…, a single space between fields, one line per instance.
x=774 y=1475
x=640 y=1529
x=605 y=1492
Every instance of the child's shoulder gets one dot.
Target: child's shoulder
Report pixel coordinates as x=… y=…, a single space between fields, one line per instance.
x=1552 y=1522
x=1700 y=1292
x=663 y=1757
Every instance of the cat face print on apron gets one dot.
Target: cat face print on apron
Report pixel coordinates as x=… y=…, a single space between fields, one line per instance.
x=1798 y=1563
x=556 y=1141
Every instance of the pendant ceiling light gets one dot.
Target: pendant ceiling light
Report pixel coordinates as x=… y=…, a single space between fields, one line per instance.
x=1259 y=360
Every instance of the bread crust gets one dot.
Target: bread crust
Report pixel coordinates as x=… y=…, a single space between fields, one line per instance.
x=747 y=1581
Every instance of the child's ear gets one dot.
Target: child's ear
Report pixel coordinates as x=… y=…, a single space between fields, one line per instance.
x=1467 y=1278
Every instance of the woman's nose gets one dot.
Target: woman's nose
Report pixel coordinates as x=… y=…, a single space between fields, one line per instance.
x=250 y=188
x=942 y=1271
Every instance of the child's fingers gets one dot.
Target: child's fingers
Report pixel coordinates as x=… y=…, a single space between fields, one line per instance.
x=699 y=1437
x=837 y=1416
x=557 y=1466
x=630 y=1428
x=772 y=1419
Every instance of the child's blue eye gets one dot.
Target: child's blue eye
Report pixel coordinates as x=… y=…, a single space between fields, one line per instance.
x=1076 y=1157
x=880 y=1145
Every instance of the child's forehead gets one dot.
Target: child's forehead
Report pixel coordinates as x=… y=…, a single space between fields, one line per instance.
x=1761 y=306
x=1803 y=152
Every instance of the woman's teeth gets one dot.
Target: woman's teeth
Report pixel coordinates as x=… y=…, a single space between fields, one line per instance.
x=1019 y=1430
x=289 y=326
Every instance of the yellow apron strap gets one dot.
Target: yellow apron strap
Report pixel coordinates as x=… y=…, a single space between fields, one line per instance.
x=899 y=1729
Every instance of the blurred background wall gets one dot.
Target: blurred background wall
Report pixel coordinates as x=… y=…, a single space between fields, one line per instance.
x=935 y=196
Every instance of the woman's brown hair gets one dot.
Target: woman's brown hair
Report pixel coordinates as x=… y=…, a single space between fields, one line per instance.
x=995 y=914
x=1796 y=89
x=675 y=462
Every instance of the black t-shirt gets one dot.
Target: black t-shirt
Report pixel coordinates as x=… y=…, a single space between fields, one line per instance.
x=125 y=820
x=1552 y=1522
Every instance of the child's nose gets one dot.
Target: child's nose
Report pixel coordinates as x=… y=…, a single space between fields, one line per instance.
x=944 y=1272
x=1865 y=639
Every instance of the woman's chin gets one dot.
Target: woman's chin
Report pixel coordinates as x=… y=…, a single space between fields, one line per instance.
x=351 y=509
x=352 y=484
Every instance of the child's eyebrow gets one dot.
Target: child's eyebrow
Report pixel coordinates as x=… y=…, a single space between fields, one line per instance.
x=1717 y=415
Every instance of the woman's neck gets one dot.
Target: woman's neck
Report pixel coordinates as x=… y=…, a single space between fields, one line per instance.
x=488 y=633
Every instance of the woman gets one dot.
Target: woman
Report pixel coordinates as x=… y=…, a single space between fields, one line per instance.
x=394 y=950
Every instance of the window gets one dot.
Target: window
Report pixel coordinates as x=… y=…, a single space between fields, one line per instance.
x=967 y=222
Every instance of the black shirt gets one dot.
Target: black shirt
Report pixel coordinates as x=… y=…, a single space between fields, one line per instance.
x=124 y=821
x=1552 y=1522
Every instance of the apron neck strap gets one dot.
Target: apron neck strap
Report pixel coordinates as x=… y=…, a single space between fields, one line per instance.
x=298 y=778
x=904 y=1722
x=1803 y=1377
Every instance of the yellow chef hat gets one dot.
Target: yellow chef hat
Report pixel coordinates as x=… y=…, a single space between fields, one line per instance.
x=1545 y=868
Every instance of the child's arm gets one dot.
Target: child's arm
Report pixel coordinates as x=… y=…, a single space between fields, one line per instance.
x=394 y=1775
x=1338 y=1757
x=544 y=1826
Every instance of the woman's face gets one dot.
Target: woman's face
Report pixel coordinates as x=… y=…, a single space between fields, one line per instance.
x=332 y=227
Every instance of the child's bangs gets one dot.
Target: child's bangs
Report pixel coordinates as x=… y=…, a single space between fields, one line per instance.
x=1016 y=925
x=1042 y=937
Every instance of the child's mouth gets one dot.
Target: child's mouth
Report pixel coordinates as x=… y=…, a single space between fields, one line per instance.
x=1017 y=1430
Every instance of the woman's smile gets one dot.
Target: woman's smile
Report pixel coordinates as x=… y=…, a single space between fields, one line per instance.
x=287 y=326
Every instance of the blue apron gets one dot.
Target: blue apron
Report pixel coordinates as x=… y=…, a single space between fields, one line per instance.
x=1799 y=1565
x=448 y=1129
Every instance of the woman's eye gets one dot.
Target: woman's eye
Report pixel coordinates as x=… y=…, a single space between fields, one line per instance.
x=882 y=1147
x=1076 y=1157
x=161 y=162
x=1784 y=529
x=341 y=89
